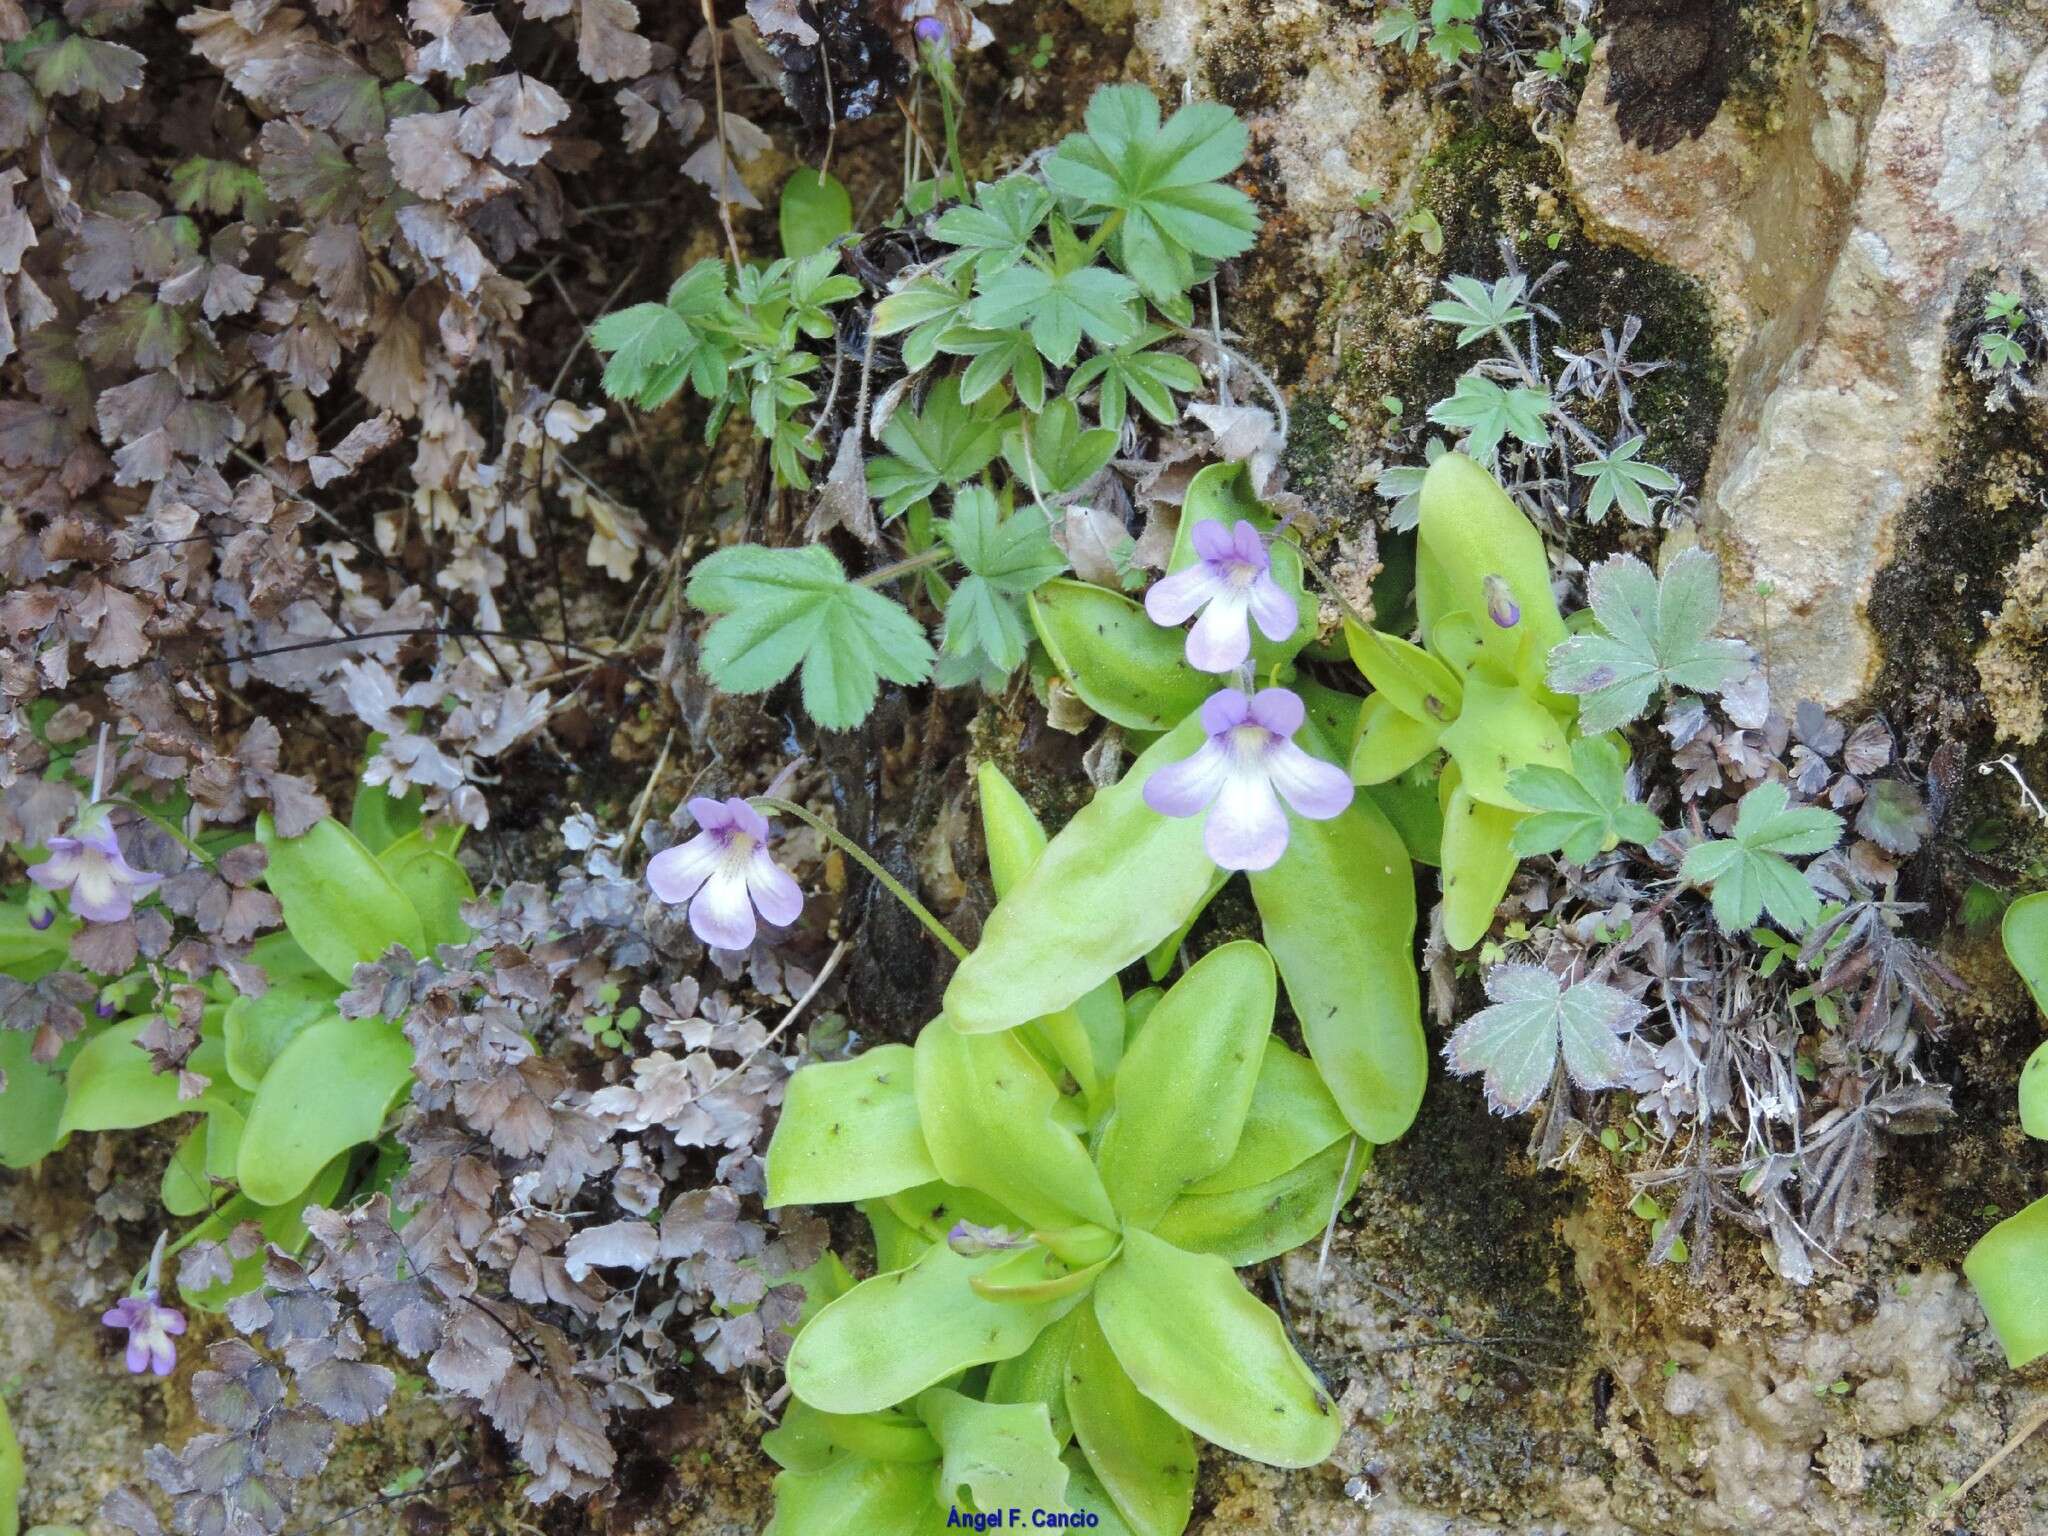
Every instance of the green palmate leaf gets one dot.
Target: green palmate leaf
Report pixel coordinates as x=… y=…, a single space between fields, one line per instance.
x=652 y=350
x=1480 y=310
x=849 y=1132
x=1125 y=668
x=1195 y=1342
x=1001 y=1455
x=1145 y=1460
x=1136 y=370
x=1163 y=183
x=339 y=903
x=998 y=356
x=1292 y=1117
x=2009 y=1268
x=1053 y=454
x=815 y=211
x=1534 y=1020
x=1116 y=880
x=944 y=443
x=1262 y=1221
x=1338 y=913
x=1005 y=556
x=1186 y=1082
x=327 y=1091
x=1486 y=413
x=854 y=1496
x=989 y=1116
x=929 y=309
x=890 y=1337
x=1652 y=635
x=1581 y=813
x=1749 y=871
x=257 y=1029
x=1619 y=480
x=1399 y=27
x=1058 y=308
x=995 y=230
x=784 y=608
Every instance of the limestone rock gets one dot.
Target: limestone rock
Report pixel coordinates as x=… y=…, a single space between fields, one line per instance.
x=1911 y=153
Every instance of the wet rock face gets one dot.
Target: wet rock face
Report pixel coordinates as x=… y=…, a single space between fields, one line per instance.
x=1910 y=152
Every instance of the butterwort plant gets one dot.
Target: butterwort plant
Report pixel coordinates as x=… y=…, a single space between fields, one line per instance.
x=1058 y=1263
x=1234 y=780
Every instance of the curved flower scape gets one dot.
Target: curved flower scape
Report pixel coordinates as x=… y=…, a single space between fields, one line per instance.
x=1243 y=771
x=1229 y=584
x=89 y=865
x=726 y=875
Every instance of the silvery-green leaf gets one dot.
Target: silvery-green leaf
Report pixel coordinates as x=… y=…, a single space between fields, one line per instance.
x=1651 y=634
x=1534 y=1019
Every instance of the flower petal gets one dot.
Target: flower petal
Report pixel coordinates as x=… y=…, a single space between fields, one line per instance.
x=1185 y=788
x=1212 y=541
x=1173 y=598
x=1248 y=548
x=98 y=895
x=1246 y=827
x=1316 y=789
x=173 y=1320
x=746 y=819
x=1275 y=611
x=774 y=890
x=60 y=869
x=1279 y=710
x=1221 y=638
x=1223 y=709
x=722 y=915
x=137 y=1356
x=710 y=814
x=674 y=874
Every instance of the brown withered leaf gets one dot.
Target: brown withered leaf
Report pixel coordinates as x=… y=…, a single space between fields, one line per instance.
x=607 y=46
x=508 y=118
x=365 y=440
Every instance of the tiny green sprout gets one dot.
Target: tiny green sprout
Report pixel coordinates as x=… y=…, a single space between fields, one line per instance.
x=1336 y=419
x=1670 y=1369
x=1392 y=404
x=1464 y=1392
x=1554 y=239
x=1990 y=1211
x=404 y=1483
x=2002 y=308
x=1369 y=199
x=1042 y=56
x=1425 y=225
x=1610 y=1138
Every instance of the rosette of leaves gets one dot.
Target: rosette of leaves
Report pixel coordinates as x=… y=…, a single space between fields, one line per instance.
x=2009 y=1264
x=290 y=1093
x=1471 y=696
x=1121 y=883
x=1056 y=1315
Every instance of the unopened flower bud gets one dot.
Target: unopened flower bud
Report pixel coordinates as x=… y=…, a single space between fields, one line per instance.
x=1501 y=606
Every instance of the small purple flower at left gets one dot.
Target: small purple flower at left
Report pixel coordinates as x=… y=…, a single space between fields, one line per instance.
x=151 y=1327
x=726 y=874
x=1230 y=583
x=89 y=864
x=1243 y=771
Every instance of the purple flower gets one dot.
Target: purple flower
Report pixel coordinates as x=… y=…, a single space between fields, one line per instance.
x=40 y=915
x=929 y=29
x=151 y=1326
x=727 y=870
x=1232 y=578
x=1233 y=775
x=90 y=865
x=1501 y=606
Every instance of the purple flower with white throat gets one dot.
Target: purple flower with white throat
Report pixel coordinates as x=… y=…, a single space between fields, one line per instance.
x=1242 y=772
x=88 y=863
x=726 y=874
x=151 y=1327
x=1230 y=582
